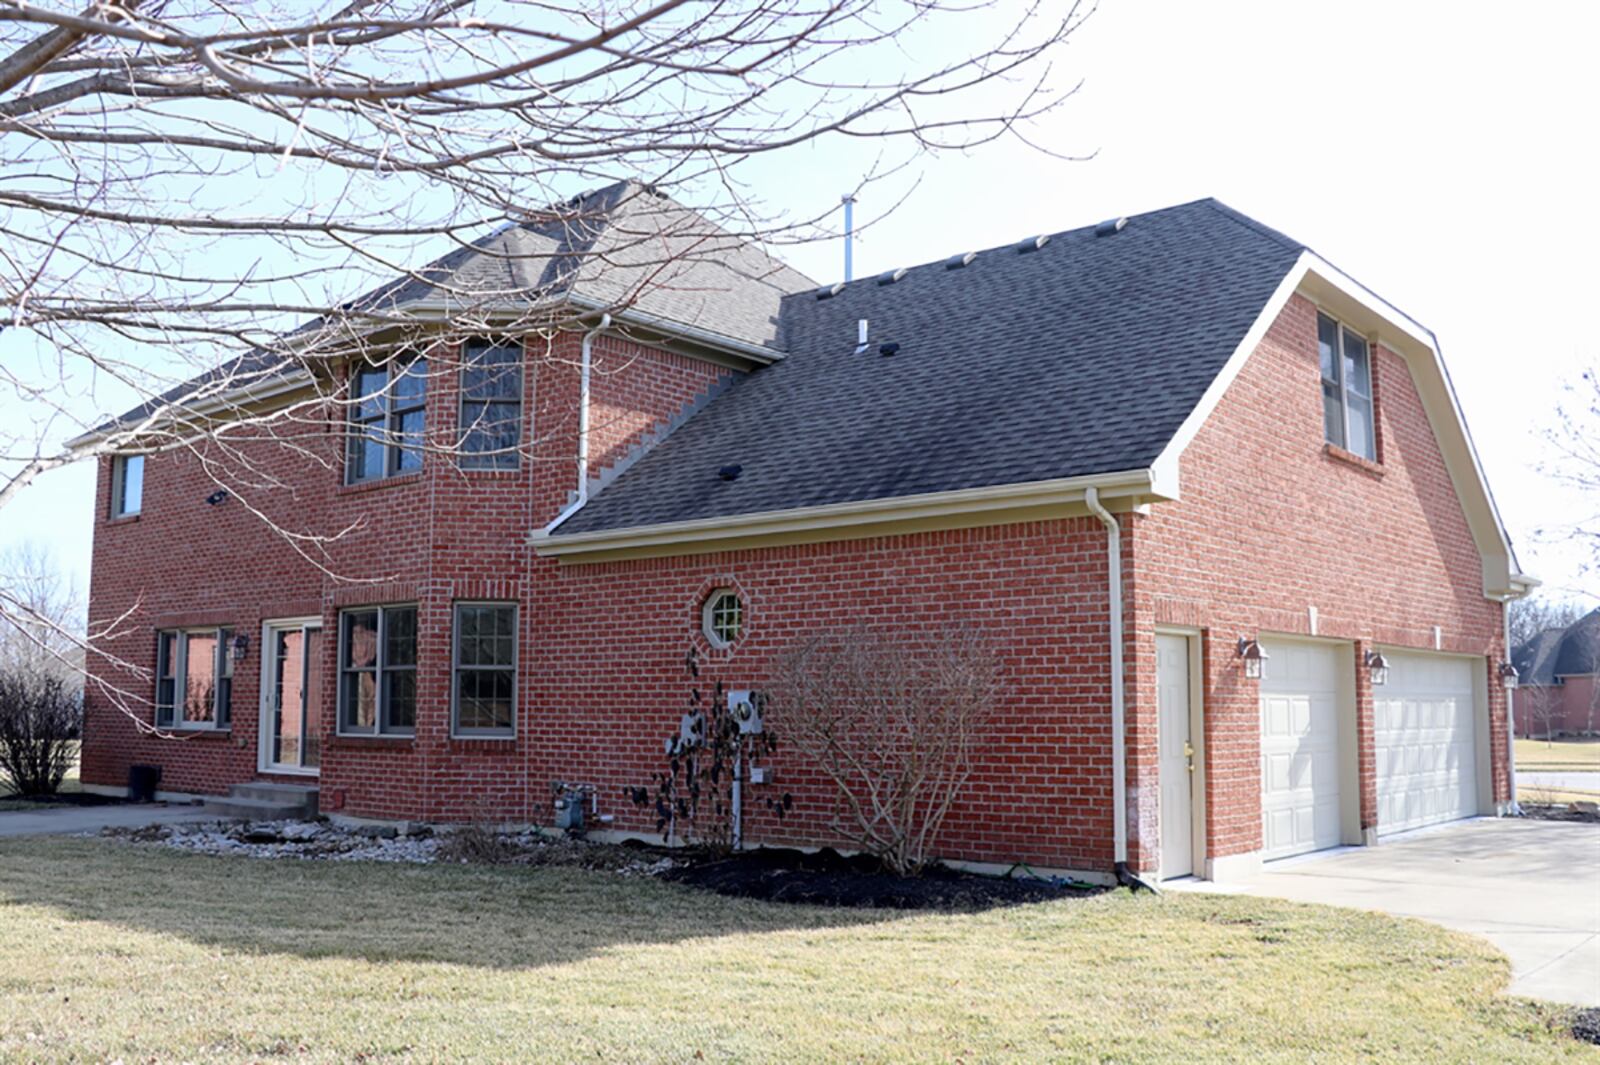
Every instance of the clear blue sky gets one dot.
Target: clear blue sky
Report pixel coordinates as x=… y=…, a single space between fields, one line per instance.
x=1445 y=156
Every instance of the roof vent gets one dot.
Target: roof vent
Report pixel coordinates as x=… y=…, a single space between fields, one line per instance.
x=889 y=277
x=956 y=262
x=1033 y=243
x=1110 y=226
x=830 y=291
x=888 y=349
x=730 y=473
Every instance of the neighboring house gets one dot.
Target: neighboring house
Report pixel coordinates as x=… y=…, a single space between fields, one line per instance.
x=1270 y=456
x=1556 y=673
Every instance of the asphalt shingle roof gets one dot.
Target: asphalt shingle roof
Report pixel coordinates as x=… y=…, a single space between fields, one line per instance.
x=619 y=246
x=1081 y=357
x=1556 y=653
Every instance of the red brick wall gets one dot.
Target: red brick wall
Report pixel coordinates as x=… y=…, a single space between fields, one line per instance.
x=1271 y=523
x=1571 y=708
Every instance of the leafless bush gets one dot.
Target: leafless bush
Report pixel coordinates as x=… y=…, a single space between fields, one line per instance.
x=893 y=723
x=39 y=717
x=480 y=843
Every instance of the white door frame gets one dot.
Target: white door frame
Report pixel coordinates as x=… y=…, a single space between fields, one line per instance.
x=268 y=687
x=1197 y=739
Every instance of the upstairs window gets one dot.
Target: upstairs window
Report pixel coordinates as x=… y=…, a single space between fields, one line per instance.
x=1347 y=416
x=194 y=679
x=378 y=671
x=491 y=404
x=387 y=404
x=127 y=485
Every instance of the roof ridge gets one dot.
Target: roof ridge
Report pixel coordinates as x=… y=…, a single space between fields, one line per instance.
x=1250 y=223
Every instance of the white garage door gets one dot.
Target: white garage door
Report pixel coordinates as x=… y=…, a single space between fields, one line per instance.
x=1300 y=747
x=1425 y=737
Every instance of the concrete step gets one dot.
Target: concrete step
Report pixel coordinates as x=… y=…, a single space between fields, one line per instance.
x=255 y=809
x=298 y=795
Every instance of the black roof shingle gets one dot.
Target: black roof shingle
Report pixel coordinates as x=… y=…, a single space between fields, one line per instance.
x=1079 y=357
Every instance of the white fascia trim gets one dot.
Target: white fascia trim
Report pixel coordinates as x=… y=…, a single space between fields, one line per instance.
x=1310 y=263
x=258 y=392
x=975 y=501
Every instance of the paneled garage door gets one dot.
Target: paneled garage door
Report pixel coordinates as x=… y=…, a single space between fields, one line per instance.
x=1300 y=747
x=1425 y=737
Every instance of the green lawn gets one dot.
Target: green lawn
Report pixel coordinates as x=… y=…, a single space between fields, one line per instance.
x=113 y=951
x=1558 y=755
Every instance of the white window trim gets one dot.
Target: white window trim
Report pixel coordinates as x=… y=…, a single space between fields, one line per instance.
x=707 y=610
x=377 y=731
x=180 y=679
x=456 y=731
x=1341 y=329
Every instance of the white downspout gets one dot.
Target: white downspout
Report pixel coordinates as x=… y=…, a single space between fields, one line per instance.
x=1119 y=759
x=585 y=362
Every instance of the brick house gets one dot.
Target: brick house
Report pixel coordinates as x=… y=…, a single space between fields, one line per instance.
x=1557 y=692
x=1181 y=427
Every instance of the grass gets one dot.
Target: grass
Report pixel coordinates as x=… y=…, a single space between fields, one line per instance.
x=1558 y=755
x=113 y=951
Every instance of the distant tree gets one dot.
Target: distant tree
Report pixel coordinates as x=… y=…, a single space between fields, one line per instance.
x=1540 y=706
x=41 y=692
x=1535 y=614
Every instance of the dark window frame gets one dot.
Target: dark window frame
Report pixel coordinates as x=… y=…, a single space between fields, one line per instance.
x=172 y=678
x=119 y=486
x=457 y=668
x=382 y=671
x=474 y=403
x=382 y=422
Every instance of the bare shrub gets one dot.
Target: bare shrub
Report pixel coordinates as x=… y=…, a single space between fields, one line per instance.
x=893 y=722
x=40 y=715
x=480 y=843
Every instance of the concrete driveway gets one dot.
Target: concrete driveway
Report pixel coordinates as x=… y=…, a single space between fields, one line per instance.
x=1532 y=888
x=69 y=820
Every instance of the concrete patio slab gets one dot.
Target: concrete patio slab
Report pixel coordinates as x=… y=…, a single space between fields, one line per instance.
x=70 y=820
x=1532 y=888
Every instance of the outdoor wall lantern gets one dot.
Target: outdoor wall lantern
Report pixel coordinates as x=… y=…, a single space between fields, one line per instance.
x=1255 y=659
x=1508 y=674
x=1377 y=667
x=241 y=646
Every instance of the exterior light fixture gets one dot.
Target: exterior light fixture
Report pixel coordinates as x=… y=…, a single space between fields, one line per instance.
x=1508 y=674
x=216 y=497
x=241 y=647
x=1377 y=667
x=1255 y=659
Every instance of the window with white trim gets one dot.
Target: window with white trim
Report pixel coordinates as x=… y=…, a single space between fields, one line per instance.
x=127 y=485
x=194 y=678
x=483 y=695
x=491 y=404
x=378 y=671
x=722 y=617
x=1347 y=411
x=387 y=407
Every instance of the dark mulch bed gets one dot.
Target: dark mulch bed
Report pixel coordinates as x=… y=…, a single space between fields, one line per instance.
x=827 y=878
x=1559 y=812
x=1586 y=1025
x=67 y=798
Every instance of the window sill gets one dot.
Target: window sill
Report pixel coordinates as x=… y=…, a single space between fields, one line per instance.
x=381 y=482
x=484 y=744
x=197 y=730
x=390 y=742
x=1350 y=458
x=122 y=519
